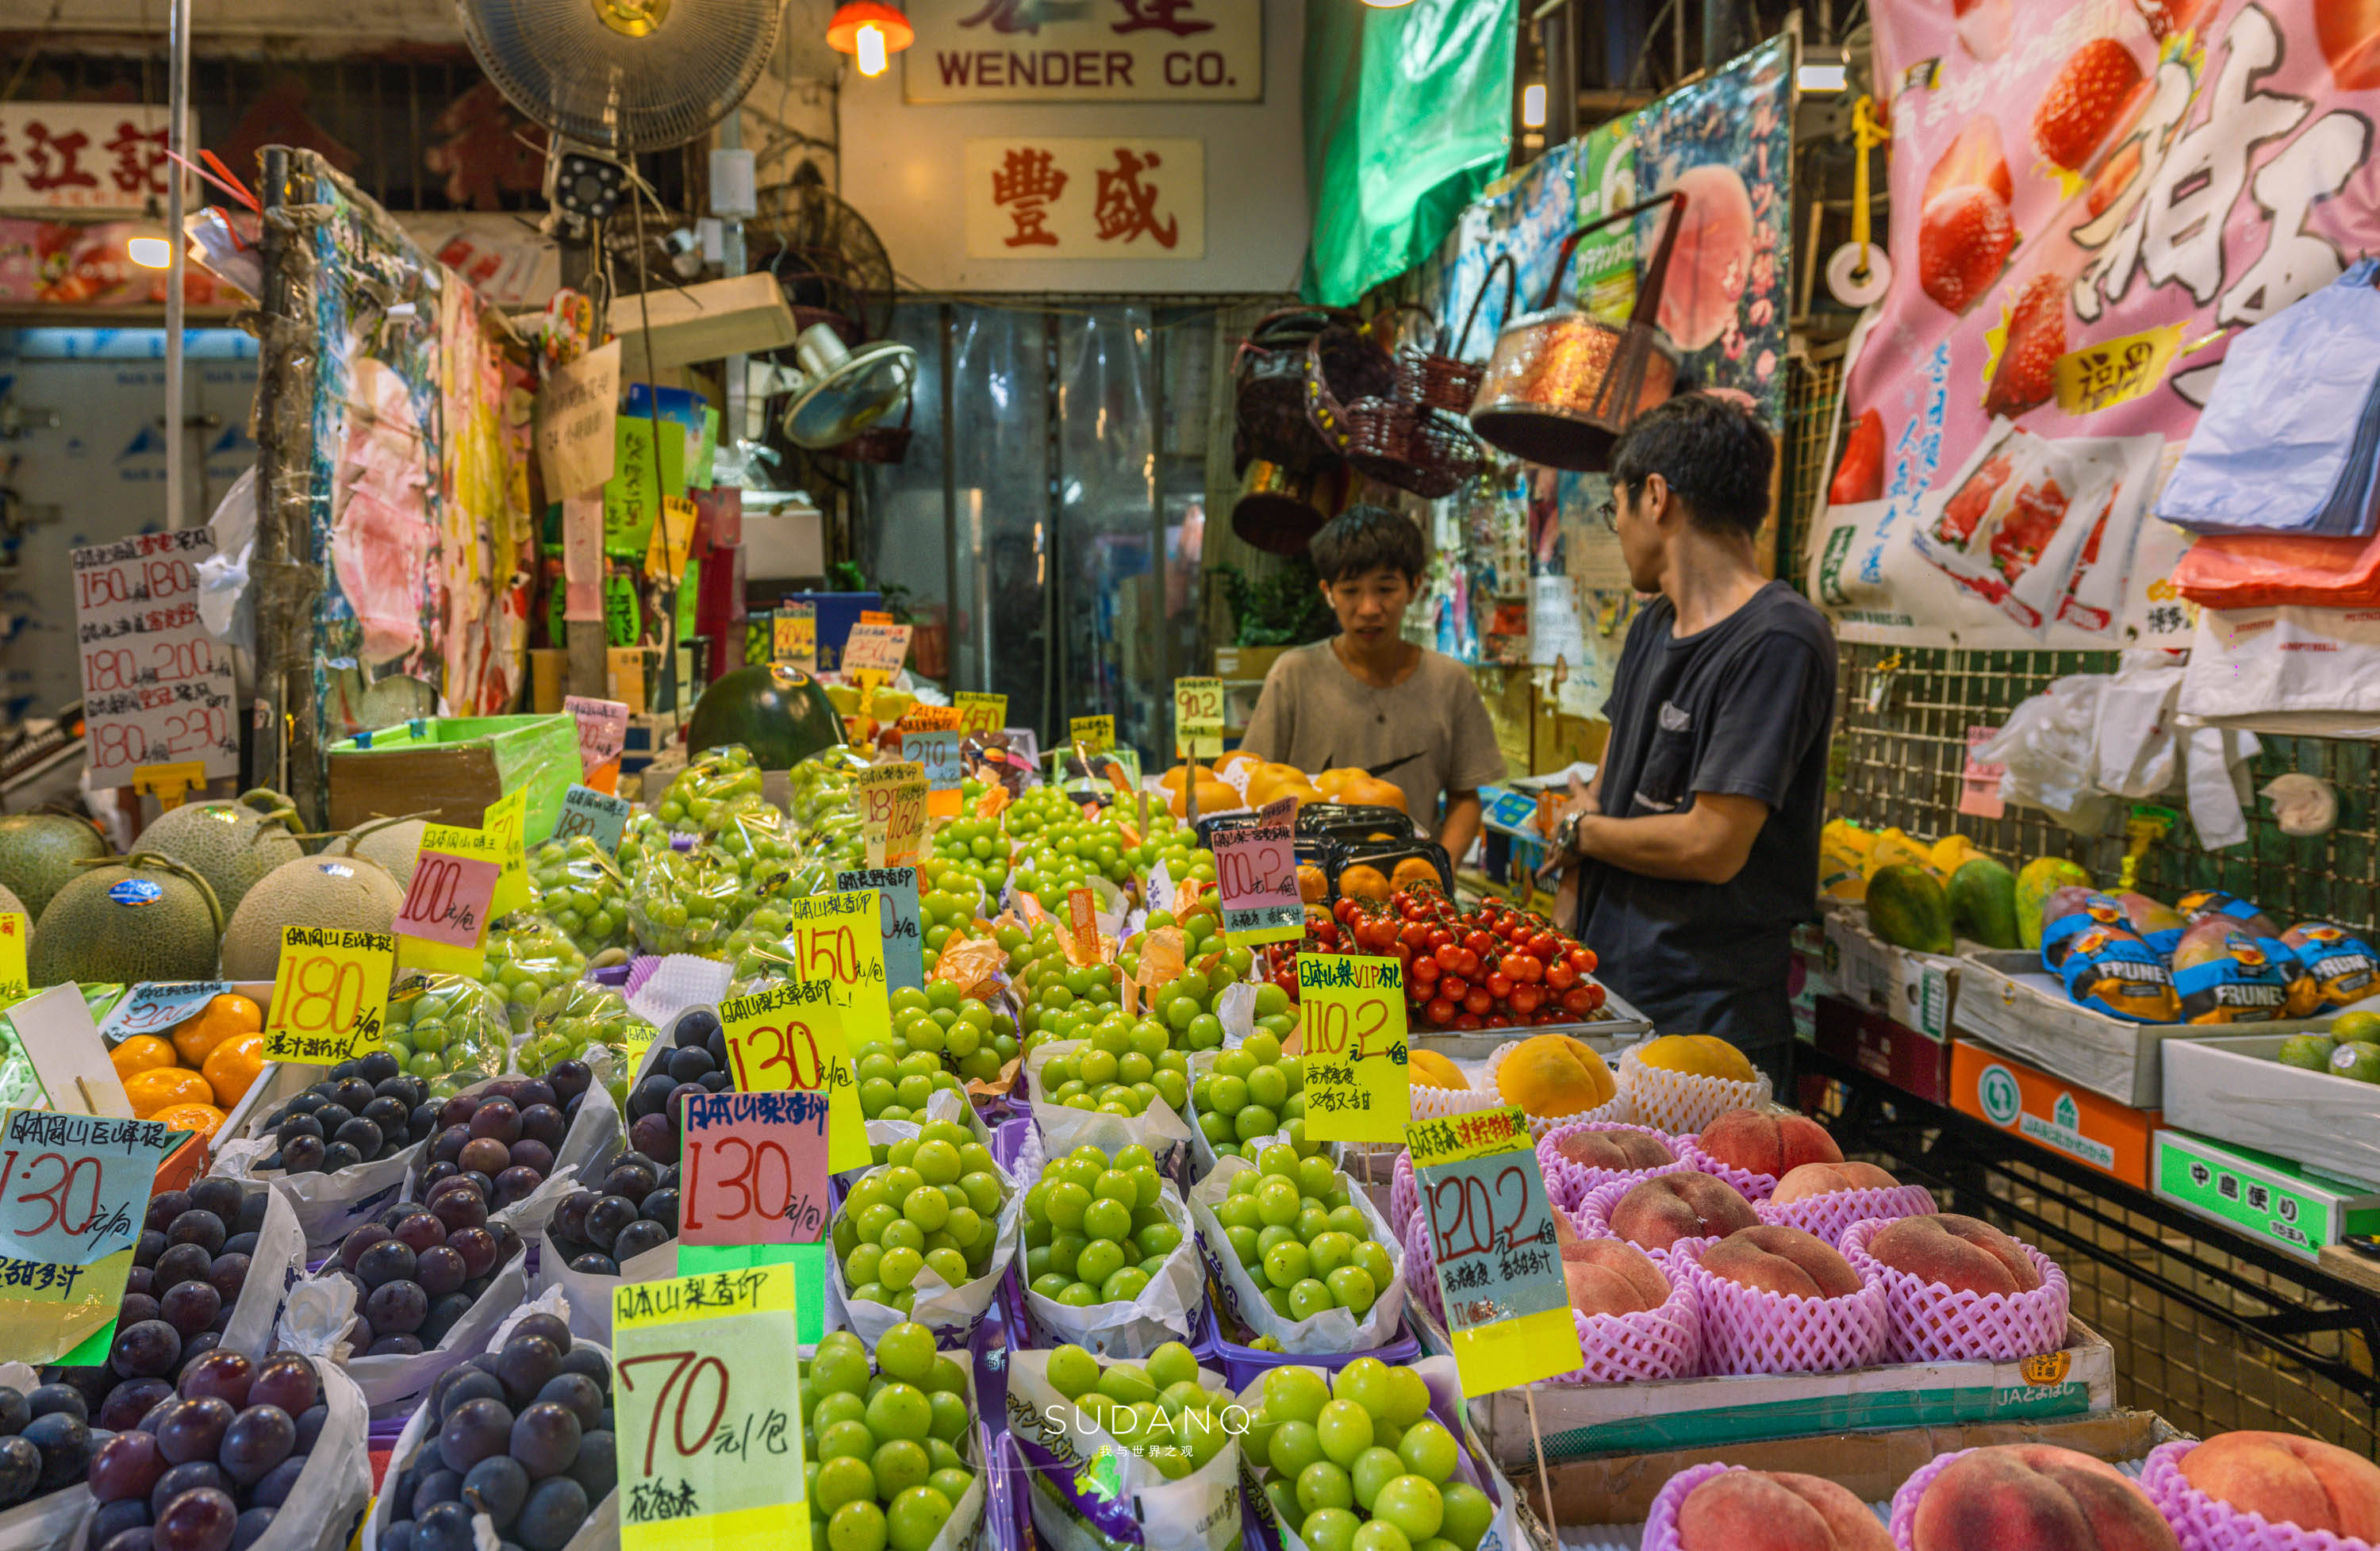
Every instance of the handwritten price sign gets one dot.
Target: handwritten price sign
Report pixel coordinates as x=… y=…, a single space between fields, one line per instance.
x=329 y=995
x=904 y=927
x=73 y=1193
x=507 y=819
x=794 y=635
x=156 y=1006
x=599 y=816
x=1499 y=1265
x=1198 y=718
x=448 y=900
x=1095 y=734
x=892 y=812
x=1352 y=1026
x=709 y=1411
x=790 y=1036
x=756 y=1168
x=937 y=752
x=603 y=734
x=981 y=713
x=1256 y=875
x=877 y=647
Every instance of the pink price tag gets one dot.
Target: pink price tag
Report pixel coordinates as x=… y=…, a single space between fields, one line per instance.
x=448 y=901
x=602 y=731
x=1256 y=874
x=756 y=1168
x=1979 y=785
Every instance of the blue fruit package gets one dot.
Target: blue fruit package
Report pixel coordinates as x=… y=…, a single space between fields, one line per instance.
x=2109 y=970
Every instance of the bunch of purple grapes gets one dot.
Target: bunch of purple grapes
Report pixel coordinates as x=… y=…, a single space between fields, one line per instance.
x=522 y=1434
x=209 y=1465
x=421 y=1267
x=366 y=1108
x=636 y=1210
x=502 y=1138
x=46 y=1441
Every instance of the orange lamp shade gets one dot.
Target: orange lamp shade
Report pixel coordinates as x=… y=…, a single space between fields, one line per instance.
x=869 y=29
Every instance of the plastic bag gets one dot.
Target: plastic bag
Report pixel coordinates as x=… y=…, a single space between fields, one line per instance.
x=688 y=902
x=1137 y=1505
x=2071 y=912
x=953 y=1312
x=2047 y=747
x=449 y=1031
x=582 y=893
x=2109 y=970
x=528 y=955
x=1158 y=1128
x=1167 y=1309
x=580 y=1020
x=2223 y=973
x=713 y=777
x=1334 y=1330
x=2329 y=967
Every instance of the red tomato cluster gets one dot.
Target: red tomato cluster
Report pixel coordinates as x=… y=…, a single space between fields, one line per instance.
x=1491 y=966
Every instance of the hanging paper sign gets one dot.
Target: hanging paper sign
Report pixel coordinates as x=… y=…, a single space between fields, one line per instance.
x=156 y=688
x=1198 y=718
x=156 y=1006
x=790 y=1036
x=598 y=815
x=673 y=536
x=879 y=647
x=1979 y=782
x=508 y=820
x=74 y=1195
x=709 y=1411
x=447 y=901
x=1096 y=735
x=329 y=995
x=603 y=734
x=937 y=752
x=575 y=411
x=63 y=1045
x=923 y=717
x=892 y=812
x=981 y=713
x=756 y=1168
x=794 y=635
x=1499 y=1270
x=1352 y=1027
x=1256 y=874
x=829 y=940
x=904 y=934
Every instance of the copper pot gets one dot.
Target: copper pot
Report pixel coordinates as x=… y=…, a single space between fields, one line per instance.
x=1275 y=511
x=1562 y=384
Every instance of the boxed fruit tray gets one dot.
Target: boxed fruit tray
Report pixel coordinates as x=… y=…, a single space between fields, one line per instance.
x=2235 y=1089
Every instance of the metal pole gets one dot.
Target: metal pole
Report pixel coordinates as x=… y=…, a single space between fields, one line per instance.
x=269 y=747
x=1719 y=34
x=178 y=137
x=980 y=673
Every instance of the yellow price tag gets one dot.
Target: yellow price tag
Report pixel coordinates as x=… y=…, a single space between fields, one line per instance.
x=1491 y=1228
x=16 y=932
x=1352 y=1031
x=169 y=783
x=710 y=1413
x=673 y=536
x=1198 y=718
x=1096 y=733
x=794 y=635
x=981 y=713
x=892 y=812
x=508 y=820
x=793 y=1036
x=329 y=995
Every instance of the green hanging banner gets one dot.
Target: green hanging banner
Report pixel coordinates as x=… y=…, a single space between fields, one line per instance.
x=1408 y=116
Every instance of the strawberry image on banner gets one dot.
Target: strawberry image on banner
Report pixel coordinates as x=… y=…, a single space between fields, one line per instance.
x=2090 y=198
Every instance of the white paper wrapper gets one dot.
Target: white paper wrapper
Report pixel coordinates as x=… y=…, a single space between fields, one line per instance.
x=1331 y=1332
x=950 y=1313
x=317 y=1323
x=1199 y=1512
x=1167 y=1310
x=326 y=1205
x=44 y=1524
x=1158 y=1128
x=1237 y=1008
x=274 y=1267
x=944 y=1105
x=678 y=982
x=1203 y=1155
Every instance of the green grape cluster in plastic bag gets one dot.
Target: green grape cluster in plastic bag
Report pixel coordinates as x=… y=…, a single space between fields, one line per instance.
x=688 y=902
x=528 y=956
x=586 y=1021
x=713 y=778
x=639 y=838
x=448 y=1030
x=583 y=894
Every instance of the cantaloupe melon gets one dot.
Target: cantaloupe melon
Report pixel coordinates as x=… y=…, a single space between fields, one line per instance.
x=40 y=852
x=145 y=917
x=394 y=843
x=344 y=893
x=231 y=844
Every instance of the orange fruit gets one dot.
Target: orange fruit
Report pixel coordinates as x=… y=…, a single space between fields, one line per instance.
x=1213 y=797
x=232 y=1066
x=1701 y=1055
x=227 y=1015
x=204 y=1119
x=1413 y=871
x=1427 y=1069
x=1312 y=886
x=142 y=1052
x=1172 y=779
x=1553 y=1074
x=161 y=1086
x=1363 y=883
x=1360 y=788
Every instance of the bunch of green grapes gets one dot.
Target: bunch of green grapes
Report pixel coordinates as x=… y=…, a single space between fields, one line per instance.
x=582 y=891
x=1294 y=1224
x=976 y=847
x=1173 y=842
x=838 y=841
x=1096 y=1228
x=585 y=1022
x=1159 y=1409
x=528 y=955
x=757 y=948
x=934 y=1202
x=713 y=777
x=941 y=1039
x=1249 y=1093
x=688 y=902
x=639 y=838
x=822 y=784
x=1357 y=1462
x=1067 y=855
x=887 y=1439
x=448 y=1030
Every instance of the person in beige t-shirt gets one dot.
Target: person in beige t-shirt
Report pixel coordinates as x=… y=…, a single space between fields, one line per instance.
x=1370 y=699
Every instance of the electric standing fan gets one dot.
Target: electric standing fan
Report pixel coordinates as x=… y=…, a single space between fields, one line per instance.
x=619 y=76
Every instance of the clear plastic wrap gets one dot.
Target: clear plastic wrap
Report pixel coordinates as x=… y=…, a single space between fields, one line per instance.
x=582 y=891
x=713 y=777
x=688 y=902
x=822 y=784
x=583 y=1021
x=528 y=955
x=449 y=1031
x=639 y=838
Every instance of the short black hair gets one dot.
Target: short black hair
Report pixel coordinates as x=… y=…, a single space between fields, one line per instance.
x=1363 y=539
x=1714 y=454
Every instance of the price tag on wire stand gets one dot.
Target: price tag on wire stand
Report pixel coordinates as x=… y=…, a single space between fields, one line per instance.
x=329 y=995
x=1198 y=718
x=1255 y=875
x=794 y=635
x=444 y=923
x=1350 y=1019
x=892 y=812
x=979 y=712
x=710 y=1408
x=74 y=1192
x=156 y=1006
x=937 y=752
x=1093 y=735
x=877 y=647
x=1499 y=1270
x=898 y=914
x=790 y=1036
x=755 y=1168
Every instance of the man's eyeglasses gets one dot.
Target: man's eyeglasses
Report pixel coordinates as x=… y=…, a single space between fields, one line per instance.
x=1607 y=514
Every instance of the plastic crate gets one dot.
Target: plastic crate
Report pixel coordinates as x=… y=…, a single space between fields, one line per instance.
x=1242 y=1364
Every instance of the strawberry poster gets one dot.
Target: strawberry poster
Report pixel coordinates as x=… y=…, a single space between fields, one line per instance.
x=2089 y=198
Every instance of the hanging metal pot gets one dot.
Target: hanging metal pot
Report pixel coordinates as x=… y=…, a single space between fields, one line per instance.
x=1562 y=384
x=1275 y=511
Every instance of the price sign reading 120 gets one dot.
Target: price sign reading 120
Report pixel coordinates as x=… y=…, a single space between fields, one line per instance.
x=1352 y=1031
x=1499 y=1262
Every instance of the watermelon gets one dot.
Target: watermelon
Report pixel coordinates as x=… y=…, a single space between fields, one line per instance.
x=780 y=713
x=1907 y=908
x=1982 y=903
x=2040 y=878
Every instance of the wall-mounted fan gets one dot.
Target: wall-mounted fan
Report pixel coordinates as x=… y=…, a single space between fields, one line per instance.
x=844 y=375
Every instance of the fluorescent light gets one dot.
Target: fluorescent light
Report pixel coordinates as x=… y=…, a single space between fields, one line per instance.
x=1823 y=77
x=871 y=49
x=1387 y=5
x=149 y=252
x=1533 y=106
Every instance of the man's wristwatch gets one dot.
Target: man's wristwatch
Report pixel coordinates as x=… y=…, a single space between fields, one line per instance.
x=1566 y=835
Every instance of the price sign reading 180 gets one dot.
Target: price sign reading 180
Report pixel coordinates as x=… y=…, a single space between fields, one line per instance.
x=329 y=995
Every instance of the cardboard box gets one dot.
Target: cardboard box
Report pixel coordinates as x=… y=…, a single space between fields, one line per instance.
x=2233 y=1090
x=745 y=314
x=2263 y=1197
x=1918 y=990
x=1883 y=1048
x=1579 y=1421
x=1620 y=1489
x=450 y=767
x=2052 y=1111
x=1247 y=663
x=2010 y=1001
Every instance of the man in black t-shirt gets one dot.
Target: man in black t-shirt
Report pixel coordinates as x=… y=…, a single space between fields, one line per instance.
x=1698 y=839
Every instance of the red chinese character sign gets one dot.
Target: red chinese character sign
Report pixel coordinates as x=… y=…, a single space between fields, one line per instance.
x=1097 y=51
x=1097 y=198
x=81 y=156
x=2088 y=205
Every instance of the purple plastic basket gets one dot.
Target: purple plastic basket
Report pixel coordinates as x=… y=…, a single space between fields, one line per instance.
x=614 y=975
x=1242 y=1364
x=1008 y=1507
x=1008 y=1140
